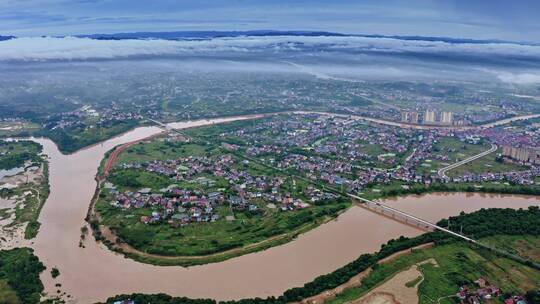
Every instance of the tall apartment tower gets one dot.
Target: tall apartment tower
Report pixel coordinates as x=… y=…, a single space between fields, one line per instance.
x=404 y=116
x=410 y=117
x=413 y=117
x=447 y=118
x=429 y=117
x=524 y=154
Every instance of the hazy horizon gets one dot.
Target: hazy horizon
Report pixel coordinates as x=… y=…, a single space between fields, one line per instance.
x=481 y=19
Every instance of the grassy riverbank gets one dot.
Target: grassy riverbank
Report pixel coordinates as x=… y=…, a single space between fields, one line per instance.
x=459 y=262
x=27 y=189
x=456 y=265
x=396 y=189
x=216 y=257
x=33 y=208
x=71 y=140
x=210 y=238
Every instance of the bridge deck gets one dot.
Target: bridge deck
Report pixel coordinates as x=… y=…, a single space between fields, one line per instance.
x=378 y=207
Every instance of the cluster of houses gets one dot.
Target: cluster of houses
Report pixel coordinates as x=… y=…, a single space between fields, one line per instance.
x=321 y=134
x=173 y=205
x=334 y=150
x=245 y=192
x=77 y=117
x=204 y=170
x=346 y=141
x=484 y=292
x=524 y=177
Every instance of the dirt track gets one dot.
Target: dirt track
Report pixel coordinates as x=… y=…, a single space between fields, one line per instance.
x=395 y=291
x=357 y=279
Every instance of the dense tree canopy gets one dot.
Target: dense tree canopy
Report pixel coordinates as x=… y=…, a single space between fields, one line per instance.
x=21 y=268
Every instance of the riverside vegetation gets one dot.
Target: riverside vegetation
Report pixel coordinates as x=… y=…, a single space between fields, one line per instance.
x=470 y=261
x=25 y=186
x=19 y=277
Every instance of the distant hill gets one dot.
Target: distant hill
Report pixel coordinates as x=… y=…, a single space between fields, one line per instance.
x=193 y=35
x=3 y=38
x=204 y=34
x=451 y=40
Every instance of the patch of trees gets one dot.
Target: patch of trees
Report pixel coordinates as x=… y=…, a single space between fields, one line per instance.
x=55 y=272
x=17 y=156
x=125 y=178
x=21 y=268
x=15 y=160
x=5 y=192
x=135 y=178
x=63 y=140
x=441 y=187
x=488 y=222
x=360 y=102
x=72 y=139
x=159 y=299
x=533 y=297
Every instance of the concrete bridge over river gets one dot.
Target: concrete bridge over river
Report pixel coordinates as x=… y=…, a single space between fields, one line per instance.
x=414 y=221
x=407 y=218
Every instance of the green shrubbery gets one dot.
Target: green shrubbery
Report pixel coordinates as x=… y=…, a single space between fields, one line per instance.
x=487 y=222
x=418 y=189
x=21 y=268
x=72 y=139
x=17 y=153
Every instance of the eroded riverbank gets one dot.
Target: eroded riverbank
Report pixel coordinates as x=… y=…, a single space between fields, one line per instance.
x=94 y=273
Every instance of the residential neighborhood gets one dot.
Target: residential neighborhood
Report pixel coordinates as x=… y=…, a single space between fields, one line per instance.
x=352 y=155
x=210 y=183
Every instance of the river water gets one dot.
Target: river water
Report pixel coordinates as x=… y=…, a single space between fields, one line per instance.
x=94 y=273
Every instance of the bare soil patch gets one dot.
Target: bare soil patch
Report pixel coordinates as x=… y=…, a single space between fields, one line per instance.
x=395 y=289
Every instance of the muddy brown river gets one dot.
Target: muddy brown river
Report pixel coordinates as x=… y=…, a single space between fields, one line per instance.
x=94 y=273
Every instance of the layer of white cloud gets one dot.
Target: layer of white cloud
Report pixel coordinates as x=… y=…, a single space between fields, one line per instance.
x=71 y=48
x=519 y=78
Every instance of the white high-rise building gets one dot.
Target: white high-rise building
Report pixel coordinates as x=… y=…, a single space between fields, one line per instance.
x=429 y=117
x=404 y=116
x=447 y=118
x=413 y=117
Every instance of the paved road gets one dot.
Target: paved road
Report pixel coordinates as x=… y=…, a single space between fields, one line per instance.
x=509 y=120
x=426 y=127
x=442 y=172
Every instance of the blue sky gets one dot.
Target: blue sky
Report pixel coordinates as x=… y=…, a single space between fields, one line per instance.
x=510 y=20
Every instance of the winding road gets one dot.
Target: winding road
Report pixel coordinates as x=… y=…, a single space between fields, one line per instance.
x=442 y=171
